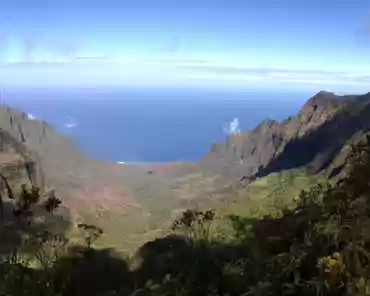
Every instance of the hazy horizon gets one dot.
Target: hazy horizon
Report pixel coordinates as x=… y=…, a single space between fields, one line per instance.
x=286 y=45
x=152 y=126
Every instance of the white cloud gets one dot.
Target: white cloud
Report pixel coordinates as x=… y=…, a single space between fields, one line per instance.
x=233 y=128
x=71 y=123
x=31 y=117
x=100 y=71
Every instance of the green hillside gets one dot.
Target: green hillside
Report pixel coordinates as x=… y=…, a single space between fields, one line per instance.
x=265 y=196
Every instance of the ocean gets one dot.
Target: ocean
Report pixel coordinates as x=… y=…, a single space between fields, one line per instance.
x=151 y=125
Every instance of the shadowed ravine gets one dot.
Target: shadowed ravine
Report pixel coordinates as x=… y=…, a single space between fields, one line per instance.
x=144 y=198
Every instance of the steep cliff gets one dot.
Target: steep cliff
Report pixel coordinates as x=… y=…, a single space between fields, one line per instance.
x=16 y=163
x=55 y=161
x=317 y=137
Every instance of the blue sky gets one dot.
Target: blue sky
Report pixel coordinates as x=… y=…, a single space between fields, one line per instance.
x=290 y=44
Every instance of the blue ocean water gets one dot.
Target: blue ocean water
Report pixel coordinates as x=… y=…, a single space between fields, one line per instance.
x=151 y=125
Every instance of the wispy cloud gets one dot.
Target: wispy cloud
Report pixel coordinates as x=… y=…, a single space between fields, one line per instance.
x=33 y=48
x=70 y=123
x=276 y=75
x=31 y=117
x=233 y=128
x=102 y=70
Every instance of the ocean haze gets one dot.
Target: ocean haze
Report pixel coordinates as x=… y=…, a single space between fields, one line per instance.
x=157 y=125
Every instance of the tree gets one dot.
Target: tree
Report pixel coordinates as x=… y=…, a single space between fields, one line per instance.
x=90 y=233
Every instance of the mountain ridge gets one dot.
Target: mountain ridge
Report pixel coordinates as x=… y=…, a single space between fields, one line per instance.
x=315 y=138
x=297 y=141
x=60 y=164
x=136 y=203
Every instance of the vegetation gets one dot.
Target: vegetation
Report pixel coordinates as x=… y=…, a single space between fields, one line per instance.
x=269 y=195
x=319 y=246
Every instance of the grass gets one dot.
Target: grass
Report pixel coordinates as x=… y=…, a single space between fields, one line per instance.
x=126 y=231
x=265 y=196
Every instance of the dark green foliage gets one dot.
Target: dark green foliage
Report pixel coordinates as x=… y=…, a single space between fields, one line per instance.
x=195 y=224
x=52 y=203
x=86 y=271
x=321 y=246
x=9 y=193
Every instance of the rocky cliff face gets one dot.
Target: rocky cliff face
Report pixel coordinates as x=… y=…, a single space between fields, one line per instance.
x=52 y=151
x=55 y=161
x=316 y=138
x=16 y=164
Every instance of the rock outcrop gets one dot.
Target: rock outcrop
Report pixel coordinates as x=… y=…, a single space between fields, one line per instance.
x=317 y=137
x=16 y=163
x=54 y=161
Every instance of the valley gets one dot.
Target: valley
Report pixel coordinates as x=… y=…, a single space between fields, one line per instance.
x=137 y=203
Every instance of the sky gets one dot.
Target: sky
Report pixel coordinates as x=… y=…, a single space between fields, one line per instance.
x=287 y=44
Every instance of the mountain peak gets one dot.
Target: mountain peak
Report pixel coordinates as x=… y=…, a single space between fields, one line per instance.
x=323 y=99
x=324 y=93
x=315 y=138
